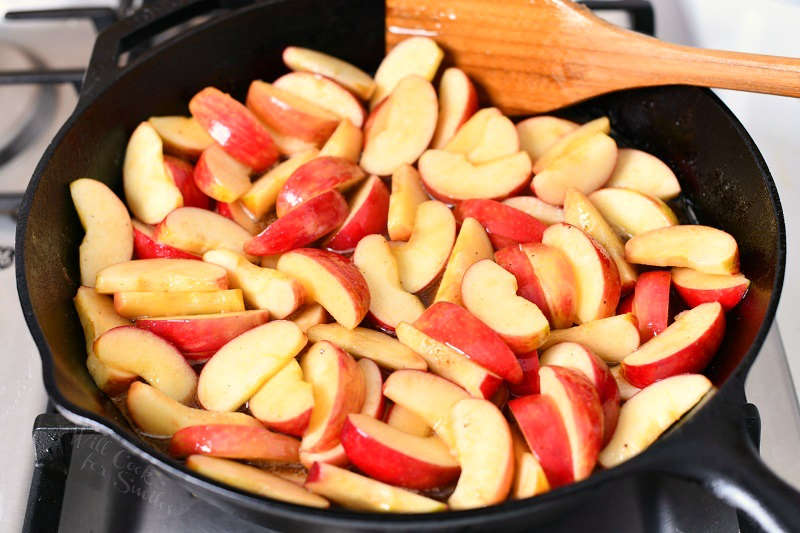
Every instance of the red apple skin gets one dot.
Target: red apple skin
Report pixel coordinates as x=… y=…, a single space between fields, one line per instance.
x=544 y=431
x=651 y=303
x=515 y=261
x=301 y=226
x=235 y=128
x=295 y=426
x=198 y=338
x=625 y=305
x=370 y=217
x=456 y=327
x=391 y=465
x=728 y=297
x=234 y=442
x=182 y=174
x=317 y=176
x=505 y=225
x=529 y=362
x=146 y=247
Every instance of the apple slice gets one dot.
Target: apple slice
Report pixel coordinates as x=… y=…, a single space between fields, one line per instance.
x=529 y=477
x=253 y=480
x=611 y=338
x=325 y=93
x=346 y=142
x=451 y=177
x=339 y=389
x=686 y=346
x=109 y=234
x=505 y=225
x=458 y=100
x=149 y=356
x=161 y=275
x=645 y=173
x=485 y=452
x=285 y=401
x=182 y=136
x=651 y=303
x=317 y=176
x=406 y=421
x=234 y=128
x=306 y=60
x=182 y=173
x=149 y=191
x=581 y=213
x=579 y=358
x=571 y=140
x=597 y=277
x=239 y=214
x=486 y=136
x=220 y=176
x=309 y=316
x=198 y=336
x=529 y=362
x=242 y=366
x=386 y=351
x=625 y=305
x=156 y=304
x=234 y=442
x=197 y=231
x=626 y=390
x=698 y=288
x=290 y=146
x=417 y=56
x=263 y=288
x=369 y=207
x=389 y=303
x=146 y=247
x=358 y=492
x=538 y=134
x=542 y=211
x=264 y=193
x=490 y=293
x=631 y=212
x=471 y=246
x=424 y=256
x=373 y=389
x=451 y=364
x=387 y=454
x=647 y=415
x=407 y=195
x=331 y=281
x=301 y=226
x=701 y=248
x=335 y=456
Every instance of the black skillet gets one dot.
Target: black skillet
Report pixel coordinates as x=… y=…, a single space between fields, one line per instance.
x=724 y=178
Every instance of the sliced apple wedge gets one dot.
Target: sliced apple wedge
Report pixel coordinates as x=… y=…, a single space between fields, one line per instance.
x=632 y=212
x=386 y=351
x=424 y=256
x=331 y=281
x=687 y=345
x=198 y=230
x=351 y=77
x=471 y=246
x=389 y=303
x=529 y=476
x=402 y=129
x=701 y=248
x=529 y=362
x=335 y=456
x=542 y=211
x=539 y=134
x=254 y=480
x=698 y=288
x=649 y=413
x=149 y=191
x=626 y=390
x=486 y=136
x=505 y=225
x=241 y=367
x=485 y=452
x=374 y=402
x=369 y=208
x=182 y=136
x=199 y=336
x=458 y=100
x=407 y=195
x=316 y=177
x=264 y=193
x=339 y=389
x=161 y=275
x=611 y=338
x=358 y=492
x=157 y=304
x=571 y=140
x=389 y=455
x=220 y=176
x=182 y=173
x=237 y=212
x=346 y=142
x=406 y=421
x=291 y=146
x=490 y=293
x=284 y=403
x=109 y=234
x=650 y=303
x=309 y=316
x=234 y=442
x=418 y=56
x=146 y=247
x=645 y=173
x=625 y=304
x=451 y=177
x=263 y=288
x=325 y=93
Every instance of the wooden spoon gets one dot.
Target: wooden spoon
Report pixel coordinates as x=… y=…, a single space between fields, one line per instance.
x=532 y=56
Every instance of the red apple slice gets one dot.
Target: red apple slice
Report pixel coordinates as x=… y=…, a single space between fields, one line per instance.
x=161 y=275
x=234 y=128
x=239 y=214
x=182 y=173
x=373 y=389
x=505 y=225
x=197 y=231
x=220 y=176
x=334 y=456
x=650 y=303
x=242 y=366
x=369 y=208
x=386 y=351
x=698 y=288
x=538 y=134
x=471 y=246
x=701 y=248
x=597 y=277
x=346 y=142
x=290 y=146
x=142 y=304
x=571 y=140
x=146 y=247
x=309 y=316
x=389 y=303
x=529 y=362
x=331 y=281
x=306 y=60
x=687 y=345
x=645 y=173
x=182 y=136
x=234 y=442
x=285 y=401
x=486 y=136
x=631 y=212
x=149 y=190
x=542 y=211
x=325 y=93
x=406 y=421
x=610 y=338
x=529 y=477
x=417 y=56
x=301 y=226
x=626 y=390
x=648 y=414
x=317 y=176
x=407 y=195
x=625 y=305
x=261 y=197
x=458 y=100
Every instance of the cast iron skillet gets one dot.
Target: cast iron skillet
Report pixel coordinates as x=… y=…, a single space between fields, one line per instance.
x=722 y=174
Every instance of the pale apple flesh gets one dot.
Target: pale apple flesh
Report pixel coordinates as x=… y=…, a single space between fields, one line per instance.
x=177 y=275
x=570 y=140
x=407 y=194
x=612 y=338
x=145 y=245
x=529 y=476
x=471 y=246
x=374 y=403
x=406 y=421
x=285 y=401
x=220 y=176
x=632 y=212
x=381 y=348
x=346 y=142
x=309 y=316
x=261 y=197
x=162 y=304
x=486 y=136
x=626 y=390
x=645 y=173
x=418 y=56
x=325 y=93
x=538 y=134
x=542 y=211
x=701 y=248
x=182 y=136
x=306 y=60
x=697 y=288
x=458 y=100
x=197 y=231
